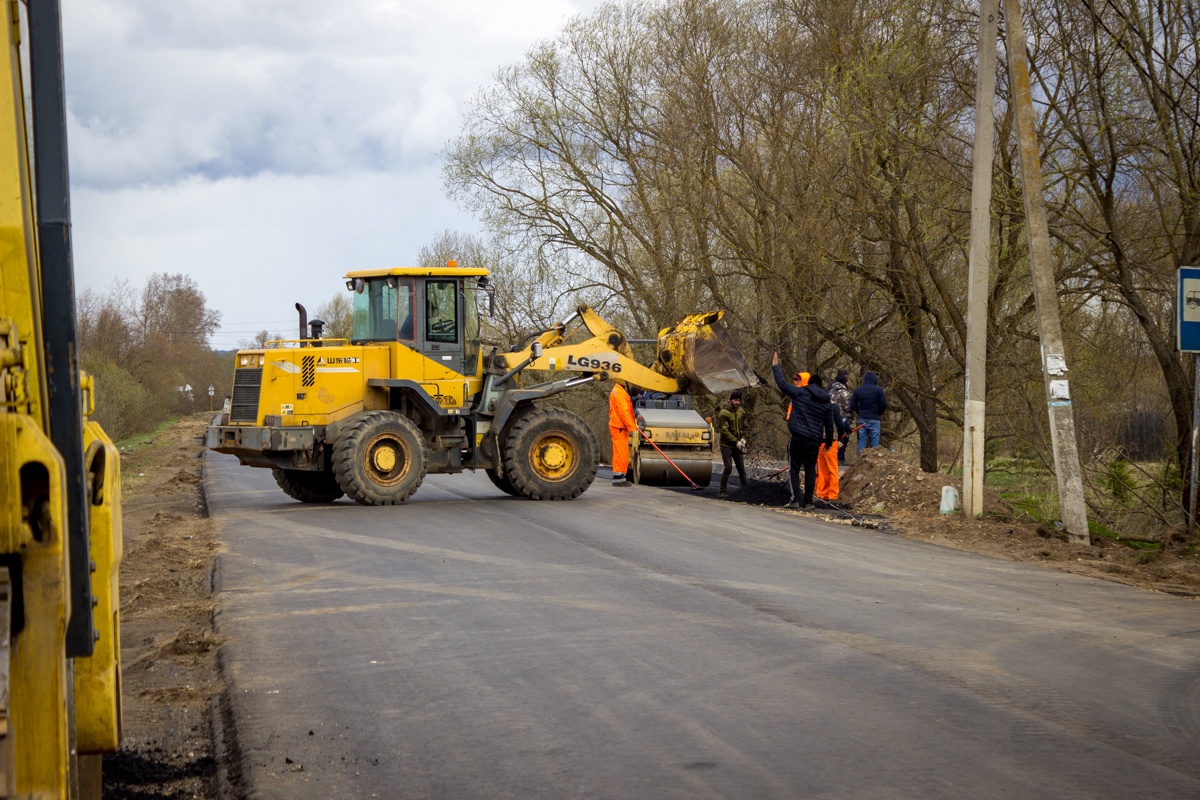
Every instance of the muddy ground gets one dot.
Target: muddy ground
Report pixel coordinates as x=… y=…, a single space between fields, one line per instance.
x=173 y=686
x=171 y=683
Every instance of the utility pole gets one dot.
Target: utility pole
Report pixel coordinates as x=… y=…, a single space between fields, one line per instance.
x=979 y=263
x=1054 y=361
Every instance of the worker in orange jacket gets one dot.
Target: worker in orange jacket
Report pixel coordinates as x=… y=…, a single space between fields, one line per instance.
x=620 y=425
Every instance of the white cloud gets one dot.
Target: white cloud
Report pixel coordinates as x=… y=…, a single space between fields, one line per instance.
x=266 y=147
x=258 y=246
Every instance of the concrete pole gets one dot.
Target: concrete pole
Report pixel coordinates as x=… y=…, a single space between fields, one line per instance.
x=1054 y=361
x=979 y=263
x=1195 y=440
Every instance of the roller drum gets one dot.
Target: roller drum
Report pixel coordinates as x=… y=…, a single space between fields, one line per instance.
x=652 y=469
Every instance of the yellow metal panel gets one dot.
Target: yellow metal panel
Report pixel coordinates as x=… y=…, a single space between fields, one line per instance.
x=593 y=356
x=98 y=678
x=443 y=383
x=20 y=290
x=14 y=534
x=377 y=363
x=31 y=471
x=37 y=664
x=281 y=376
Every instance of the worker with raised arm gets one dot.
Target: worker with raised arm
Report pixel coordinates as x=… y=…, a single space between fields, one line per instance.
x=620 y=425
x=810 y=422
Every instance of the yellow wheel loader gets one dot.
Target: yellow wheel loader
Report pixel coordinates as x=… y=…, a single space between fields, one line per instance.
x=413 y=392
x=60 y=523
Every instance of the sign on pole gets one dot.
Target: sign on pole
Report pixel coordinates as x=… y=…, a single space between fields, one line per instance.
x=1187 y=340
x=1187 y=310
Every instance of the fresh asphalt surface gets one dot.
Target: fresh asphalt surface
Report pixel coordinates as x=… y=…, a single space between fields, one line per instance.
x=639 y=643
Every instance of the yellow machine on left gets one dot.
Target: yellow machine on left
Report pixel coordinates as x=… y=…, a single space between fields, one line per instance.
x=60 y=536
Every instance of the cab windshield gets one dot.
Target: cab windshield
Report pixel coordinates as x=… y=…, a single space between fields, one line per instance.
x=383 y=309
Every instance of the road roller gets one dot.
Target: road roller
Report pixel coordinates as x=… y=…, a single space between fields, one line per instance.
x=672 y=441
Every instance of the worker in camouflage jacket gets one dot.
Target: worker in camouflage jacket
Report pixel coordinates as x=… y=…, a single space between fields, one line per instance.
x=839 y=395
x=731 y=428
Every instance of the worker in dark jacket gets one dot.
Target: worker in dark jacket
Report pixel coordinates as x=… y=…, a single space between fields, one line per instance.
x=869 y=401
x=810 y=422
x=731 y=426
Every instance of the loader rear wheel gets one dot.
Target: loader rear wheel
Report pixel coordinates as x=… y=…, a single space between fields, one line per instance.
x=306 y=486
x=380 y=459
x=550 y=454
x=503 y=484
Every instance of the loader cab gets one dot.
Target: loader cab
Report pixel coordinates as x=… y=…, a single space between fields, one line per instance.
x=434 y=311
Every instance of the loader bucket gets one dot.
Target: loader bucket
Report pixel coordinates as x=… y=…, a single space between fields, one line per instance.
x=699 y=353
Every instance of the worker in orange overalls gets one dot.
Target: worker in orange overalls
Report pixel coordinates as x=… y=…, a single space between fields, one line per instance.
x=827 y=460
x=827 y=487
x=620 y=425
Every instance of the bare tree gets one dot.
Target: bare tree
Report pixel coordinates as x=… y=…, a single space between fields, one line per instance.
x=338 y=315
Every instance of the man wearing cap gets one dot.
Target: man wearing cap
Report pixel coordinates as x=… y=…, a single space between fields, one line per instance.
x=731 y=426
x=810 y=422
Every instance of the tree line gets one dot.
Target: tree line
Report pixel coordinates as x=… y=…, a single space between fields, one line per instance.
x=806 y=165
x=144 y=347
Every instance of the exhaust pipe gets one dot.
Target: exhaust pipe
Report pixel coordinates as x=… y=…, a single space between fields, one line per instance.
x=303 y=322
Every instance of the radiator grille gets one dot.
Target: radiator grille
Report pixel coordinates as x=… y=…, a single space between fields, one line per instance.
x=308 y=371
x=246 y=386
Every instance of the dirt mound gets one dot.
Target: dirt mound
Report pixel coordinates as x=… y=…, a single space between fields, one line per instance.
x=882 y=479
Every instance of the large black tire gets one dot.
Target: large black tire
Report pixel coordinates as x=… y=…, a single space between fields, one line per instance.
x=306 y=486
x=380 y=459
x=503 y=484
x=550 y=454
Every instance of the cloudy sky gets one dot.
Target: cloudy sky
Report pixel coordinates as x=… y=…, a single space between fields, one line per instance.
x=265 y=147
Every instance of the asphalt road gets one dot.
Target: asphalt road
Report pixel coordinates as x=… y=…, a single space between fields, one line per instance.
x=640 y=643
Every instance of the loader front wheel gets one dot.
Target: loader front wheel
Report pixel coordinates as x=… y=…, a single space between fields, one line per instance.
x=380 y=459
x=550 y=454
x=306 y=486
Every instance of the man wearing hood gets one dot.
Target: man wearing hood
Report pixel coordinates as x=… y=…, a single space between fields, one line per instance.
x=810 y=422
x=839 y=395
x=869 y=401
